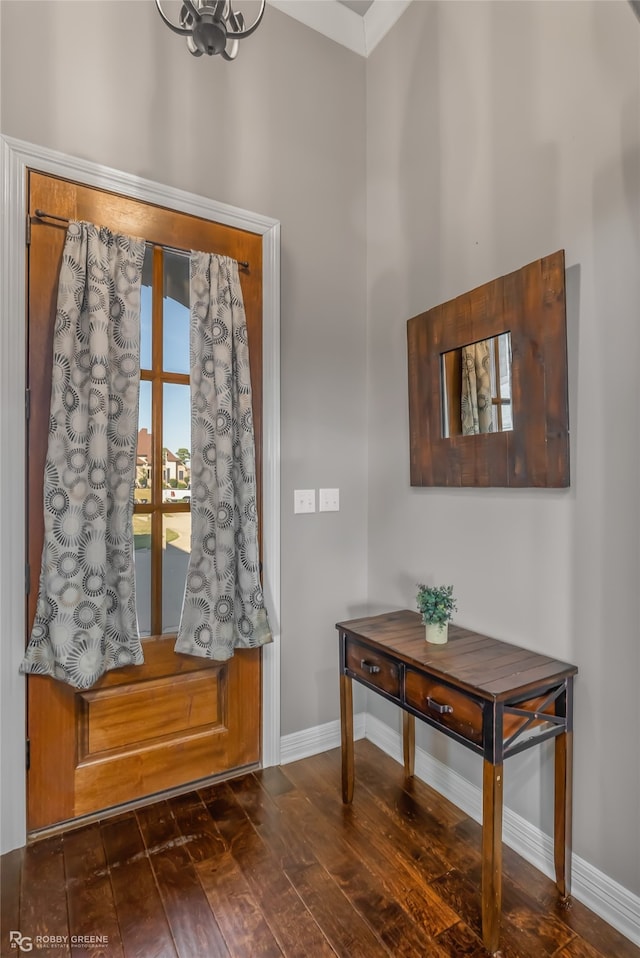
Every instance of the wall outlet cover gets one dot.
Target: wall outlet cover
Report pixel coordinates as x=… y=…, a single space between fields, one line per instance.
x=304 y=500
x=329 y=500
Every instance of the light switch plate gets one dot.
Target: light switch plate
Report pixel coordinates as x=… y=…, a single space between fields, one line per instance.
x=329 y=500
x=304 y=500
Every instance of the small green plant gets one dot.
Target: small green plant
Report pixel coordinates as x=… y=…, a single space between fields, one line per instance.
x=436 y=603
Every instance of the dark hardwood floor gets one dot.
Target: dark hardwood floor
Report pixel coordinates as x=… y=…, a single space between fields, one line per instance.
x=273 y=864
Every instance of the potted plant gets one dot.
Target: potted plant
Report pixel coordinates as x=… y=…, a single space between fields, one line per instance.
x=436 y=604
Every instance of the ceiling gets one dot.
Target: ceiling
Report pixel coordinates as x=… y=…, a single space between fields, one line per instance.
x=356 y=24
x=358 y=6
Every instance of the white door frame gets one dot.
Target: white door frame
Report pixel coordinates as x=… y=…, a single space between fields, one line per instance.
x=16 y=157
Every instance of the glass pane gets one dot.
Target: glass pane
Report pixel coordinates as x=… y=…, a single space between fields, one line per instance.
x=176 y=443
x=504 y=367
x=142 y=542
x=476 y=387
x=142 y=491
x=145 y=310
x=176 y=546
x=175 y=306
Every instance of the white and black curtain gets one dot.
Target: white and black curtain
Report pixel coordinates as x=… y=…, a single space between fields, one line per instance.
x=476 y=405
x=223 y=605
x=86 y=622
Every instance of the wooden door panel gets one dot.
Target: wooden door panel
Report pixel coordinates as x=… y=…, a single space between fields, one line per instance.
x=176 y=719
x=51 y=719
x=141 y=769
x=149 y=713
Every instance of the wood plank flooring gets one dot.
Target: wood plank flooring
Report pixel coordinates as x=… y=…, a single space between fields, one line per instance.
x=272 y=864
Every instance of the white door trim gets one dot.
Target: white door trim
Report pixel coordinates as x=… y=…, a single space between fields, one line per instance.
x=16 y=157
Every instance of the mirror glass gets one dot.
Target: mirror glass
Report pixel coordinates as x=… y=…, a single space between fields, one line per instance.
x=476 y=387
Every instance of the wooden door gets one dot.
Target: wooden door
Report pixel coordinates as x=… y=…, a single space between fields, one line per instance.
x=176 y=719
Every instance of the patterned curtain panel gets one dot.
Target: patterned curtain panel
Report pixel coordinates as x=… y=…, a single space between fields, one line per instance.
x=86 y=620
x=477 y=411
x=223 y=605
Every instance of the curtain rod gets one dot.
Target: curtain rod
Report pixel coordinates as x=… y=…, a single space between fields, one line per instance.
x=40 y=215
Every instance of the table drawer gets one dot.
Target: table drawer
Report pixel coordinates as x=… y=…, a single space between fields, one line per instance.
x=447 y=707
x=373 y=669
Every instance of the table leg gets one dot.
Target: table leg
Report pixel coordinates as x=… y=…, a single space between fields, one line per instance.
x=408 y=742
x=562 y=813
x=346 y=730
x=491 y=855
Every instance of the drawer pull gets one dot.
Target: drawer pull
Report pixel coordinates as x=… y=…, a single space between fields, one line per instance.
x=368 y=667
x=442 y=709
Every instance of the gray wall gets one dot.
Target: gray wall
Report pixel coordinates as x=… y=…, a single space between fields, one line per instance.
x=498 y=133
x=280 y=132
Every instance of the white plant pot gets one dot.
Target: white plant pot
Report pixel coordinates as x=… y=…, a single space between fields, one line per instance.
x=436 y=634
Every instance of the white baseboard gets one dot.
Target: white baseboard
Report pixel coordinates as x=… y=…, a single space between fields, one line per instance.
x=602 y=895
x=311 y=741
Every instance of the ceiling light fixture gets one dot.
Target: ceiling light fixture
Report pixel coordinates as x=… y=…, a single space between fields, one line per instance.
x=211 y=27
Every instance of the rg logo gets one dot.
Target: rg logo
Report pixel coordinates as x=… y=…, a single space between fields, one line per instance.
x=18 y=940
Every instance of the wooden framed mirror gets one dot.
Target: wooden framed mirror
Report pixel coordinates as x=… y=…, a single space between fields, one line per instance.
x=488 y=394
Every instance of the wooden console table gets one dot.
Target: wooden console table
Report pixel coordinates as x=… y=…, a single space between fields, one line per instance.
x=491 y=696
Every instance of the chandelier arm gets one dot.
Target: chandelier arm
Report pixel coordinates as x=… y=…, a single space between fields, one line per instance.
x=254 y=26
x=181 y=31
x=193 y=10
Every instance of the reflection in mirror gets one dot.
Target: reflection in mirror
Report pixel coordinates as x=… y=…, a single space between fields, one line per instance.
x=476 y=387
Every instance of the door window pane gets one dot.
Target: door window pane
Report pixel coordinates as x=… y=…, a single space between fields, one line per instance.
x=176 y=439
x=176 y=547
x=175 y=311
x=142 y=545
x=142 y=492
x=145 y=310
